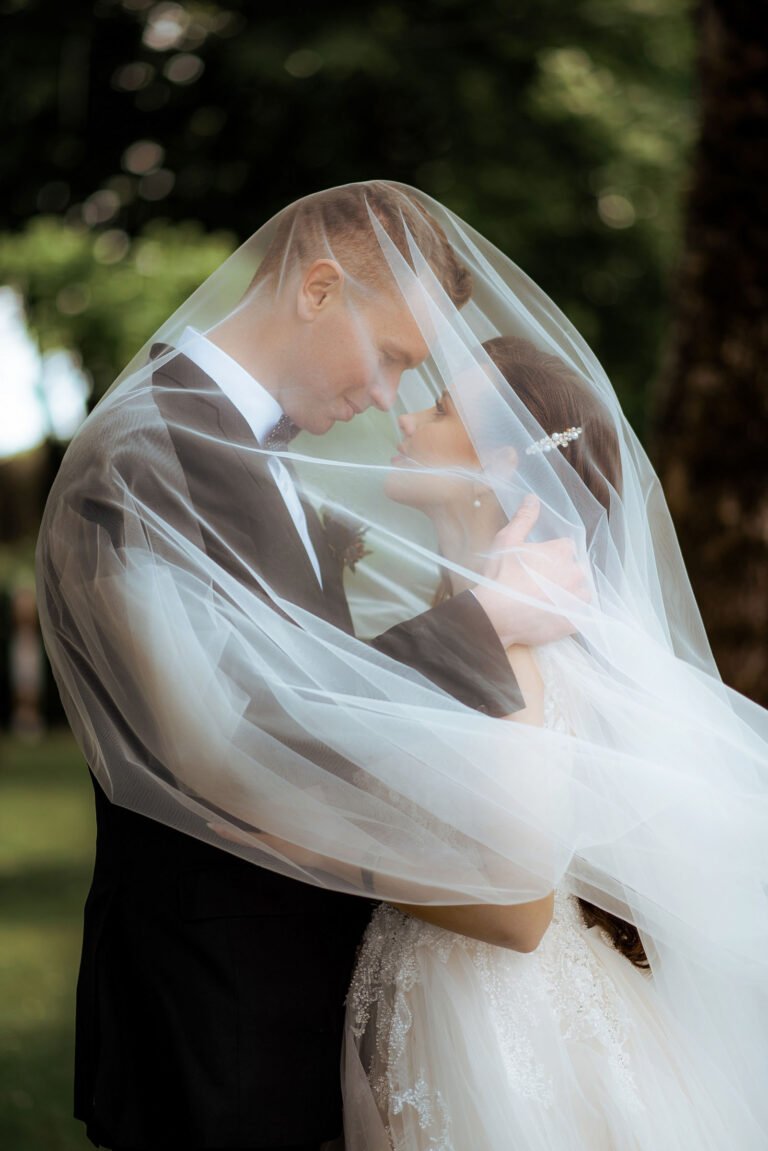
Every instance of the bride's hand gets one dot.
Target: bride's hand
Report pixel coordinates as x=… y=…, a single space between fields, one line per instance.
x=510 y=564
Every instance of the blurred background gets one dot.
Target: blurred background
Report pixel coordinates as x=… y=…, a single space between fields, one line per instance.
x=612 y=148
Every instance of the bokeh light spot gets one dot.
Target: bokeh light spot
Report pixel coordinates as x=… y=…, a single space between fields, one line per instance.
x=303 y=63
x=142 y=157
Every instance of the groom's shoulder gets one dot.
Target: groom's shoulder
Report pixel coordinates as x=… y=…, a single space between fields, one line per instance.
x=186 y=397
x=167 y=364
x=159 y=349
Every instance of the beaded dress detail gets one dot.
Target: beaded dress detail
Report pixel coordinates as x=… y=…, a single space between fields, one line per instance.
x=470 y=1047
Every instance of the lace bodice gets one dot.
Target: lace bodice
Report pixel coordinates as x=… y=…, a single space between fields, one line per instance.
x=563 y=977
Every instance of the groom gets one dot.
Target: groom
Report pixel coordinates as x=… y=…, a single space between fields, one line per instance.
x=211 y=991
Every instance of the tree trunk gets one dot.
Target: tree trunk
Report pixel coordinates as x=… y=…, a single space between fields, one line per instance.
x=710 y=424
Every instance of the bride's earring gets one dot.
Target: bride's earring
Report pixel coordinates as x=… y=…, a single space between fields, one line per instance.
x=477 y=502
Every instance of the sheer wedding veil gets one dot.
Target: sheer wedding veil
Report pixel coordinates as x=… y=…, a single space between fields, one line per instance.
x=209 y=691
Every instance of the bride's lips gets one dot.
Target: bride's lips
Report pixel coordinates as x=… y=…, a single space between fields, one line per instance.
x=401 y=456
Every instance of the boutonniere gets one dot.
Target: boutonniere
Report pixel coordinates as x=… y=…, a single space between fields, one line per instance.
x=345 y=537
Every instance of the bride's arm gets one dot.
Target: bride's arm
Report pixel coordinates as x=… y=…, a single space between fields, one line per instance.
x=520 y=926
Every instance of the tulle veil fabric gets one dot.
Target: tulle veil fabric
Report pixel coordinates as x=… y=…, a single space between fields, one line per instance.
x=207 y=692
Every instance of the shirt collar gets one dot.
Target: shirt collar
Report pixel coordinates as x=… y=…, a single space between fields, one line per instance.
x=260 y=409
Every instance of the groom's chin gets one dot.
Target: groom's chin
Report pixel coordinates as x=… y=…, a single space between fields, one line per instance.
x=318 y=425
x=318 y=422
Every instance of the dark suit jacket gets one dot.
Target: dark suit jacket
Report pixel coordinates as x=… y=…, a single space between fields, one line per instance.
x=210 y=999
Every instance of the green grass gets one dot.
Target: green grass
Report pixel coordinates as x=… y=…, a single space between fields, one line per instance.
x=46 y=855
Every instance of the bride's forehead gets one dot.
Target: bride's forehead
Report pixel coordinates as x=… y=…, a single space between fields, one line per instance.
x=470 y=381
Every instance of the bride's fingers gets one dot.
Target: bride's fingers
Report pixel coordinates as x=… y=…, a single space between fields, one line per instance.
x=515 y=532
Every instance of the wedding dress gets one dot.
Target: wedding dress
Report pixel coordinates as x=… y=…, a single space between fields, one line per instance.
x=452 y=1044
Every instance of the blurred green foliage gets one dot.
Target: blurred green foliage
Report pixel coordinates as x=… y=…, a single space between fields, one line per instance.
x=560 y=131
x=101 y=293
x=46 y=851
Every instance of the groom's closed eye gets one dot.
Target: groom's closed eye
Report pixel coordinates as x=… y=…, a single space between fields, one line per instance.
x=398 y=355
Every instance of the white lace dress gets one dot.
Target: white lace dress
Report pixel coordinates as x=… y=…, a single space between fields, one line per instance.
x=456 y=1045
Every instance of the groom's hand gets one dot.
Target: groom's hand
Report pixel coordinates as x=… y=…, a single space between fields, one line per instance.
x=513 y=564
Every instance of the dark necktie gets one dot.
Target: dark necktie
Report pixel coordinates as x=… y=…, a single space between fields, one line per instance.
x=282 y=433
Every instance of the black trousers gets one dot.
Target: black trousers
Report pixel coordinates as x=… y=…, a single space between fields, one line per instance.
x=303 y=1147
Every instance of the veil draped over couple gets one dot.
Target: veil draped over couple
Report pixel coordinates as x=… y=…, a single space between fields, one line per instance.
x=417 y=787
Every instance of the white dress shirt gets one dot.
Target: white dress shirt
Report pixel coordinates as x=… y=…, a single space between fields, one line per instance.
x=261 y=412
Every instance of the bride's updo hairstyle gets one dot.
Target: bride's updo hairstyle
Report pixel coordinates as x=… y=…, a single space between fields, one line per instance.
x=557 y=400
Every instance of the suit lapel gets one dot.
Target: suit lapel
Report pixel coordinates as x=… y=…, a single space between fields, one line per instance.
x=332 y=571
x=236 y=485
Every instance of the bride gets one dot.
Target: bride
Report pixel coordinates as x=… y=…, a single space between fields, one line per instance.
x=537 y=1026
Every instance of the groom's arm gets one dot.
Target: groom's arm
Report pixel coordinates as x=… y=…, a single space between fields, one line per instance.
x=453 y=645
x=456 y=647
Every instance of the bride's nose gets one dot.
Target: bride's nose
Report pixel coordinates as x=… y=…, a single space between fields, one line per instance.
x=406 y=423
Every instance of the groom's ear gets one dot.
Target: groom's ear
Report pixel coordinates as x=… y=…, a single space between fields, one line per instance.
x=320 y=286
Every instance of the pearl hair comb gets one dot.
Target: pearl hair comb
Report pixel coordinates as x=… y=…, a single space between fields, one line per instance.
x=556 y=440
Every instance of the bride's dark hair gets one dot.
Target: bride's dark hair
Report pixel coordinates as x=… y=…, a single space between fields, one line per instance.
x=557 y=399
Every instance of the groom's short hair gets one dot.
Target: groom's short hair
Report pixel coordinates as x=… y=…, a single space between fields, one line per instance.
x=337 y=224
